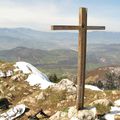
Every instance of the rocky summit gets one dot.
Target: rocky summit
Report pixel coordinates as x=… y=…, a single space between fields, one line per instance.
x=28 y=94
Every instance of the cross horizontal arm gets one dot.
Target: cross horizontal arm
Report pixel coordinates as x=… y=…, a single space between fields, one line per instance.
x=95 y=27
x=69 y=27
x=63 y=27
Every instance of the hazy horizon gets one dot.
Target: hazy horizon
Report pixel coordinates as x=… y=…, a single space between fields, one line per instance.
x=41 y=14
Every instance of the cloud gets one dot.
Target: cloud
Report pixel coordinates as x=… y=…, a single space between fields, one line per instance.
x=41 y=14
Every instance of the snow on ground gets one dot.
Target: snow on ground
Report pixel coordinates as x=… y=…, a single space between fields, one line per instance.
x=114 y=111
x=36 y=77
x=92 y=87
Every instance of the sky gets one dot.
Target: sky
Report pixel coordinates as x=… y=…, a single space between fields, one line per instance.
x=41 y=14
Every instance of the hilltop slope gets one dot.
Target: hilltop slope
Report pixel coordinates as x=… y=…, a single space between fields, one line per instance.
x=58 y=97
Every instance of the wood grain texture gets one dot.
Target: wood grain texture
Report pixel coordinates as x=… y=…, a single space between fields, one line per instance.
x=82 y=42
x=81 y=59
x=70 y=27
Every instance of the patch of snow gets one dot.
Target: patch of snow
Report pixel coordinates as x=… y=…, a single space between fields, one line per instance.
x=9 y=73
x=2 y=74
x=36 y=77
x=109 y=117
x=92 y=87
x=114 y=111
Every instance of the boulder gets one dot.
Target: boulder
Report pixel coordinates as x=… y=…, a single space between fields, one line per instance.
x=59 y=116
x=87 y=114
x=103 y=102
x=65 y=84
x=73 y=114
x=102 y=105
x=117 y=103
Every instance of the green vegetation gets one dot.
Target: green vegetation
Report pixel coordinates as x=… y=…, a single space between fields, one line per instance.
x=102 y=109
x=54 y=78
x=53 y=98
x=91 y=66
x=108 y=81
x=64 y=61
x=113 y=80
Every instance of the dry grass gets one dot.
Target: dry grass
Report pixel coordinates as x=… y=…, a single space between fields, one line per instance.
x=54 y=101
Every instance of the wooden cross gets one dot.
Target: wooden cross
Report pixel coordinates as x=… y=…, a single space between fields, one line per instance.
x=82 y=28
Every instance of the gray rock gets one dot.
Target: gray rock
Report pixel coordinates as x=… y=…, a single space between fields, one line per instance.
x=73 y=114
x=117 y=103
x=65 y=84
x=87 y=114
x=59 y=116
x=104 y=102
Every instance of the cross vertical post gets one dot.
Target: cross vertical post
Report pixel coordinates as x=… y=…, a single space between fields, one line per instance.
x=81 y=58
x=82 y=43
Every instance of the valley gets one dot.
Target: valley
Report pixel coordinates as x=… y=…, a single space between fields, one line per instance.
x=64 y=61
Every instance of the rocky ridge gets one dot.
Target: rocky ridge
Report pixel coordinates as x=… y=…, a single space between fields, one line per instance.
x=58 y=100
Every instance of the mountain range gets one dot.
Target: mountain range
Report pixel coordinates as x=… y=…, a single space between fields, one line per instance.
x=57 y=51
x=15 y=37
x=64 y=60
